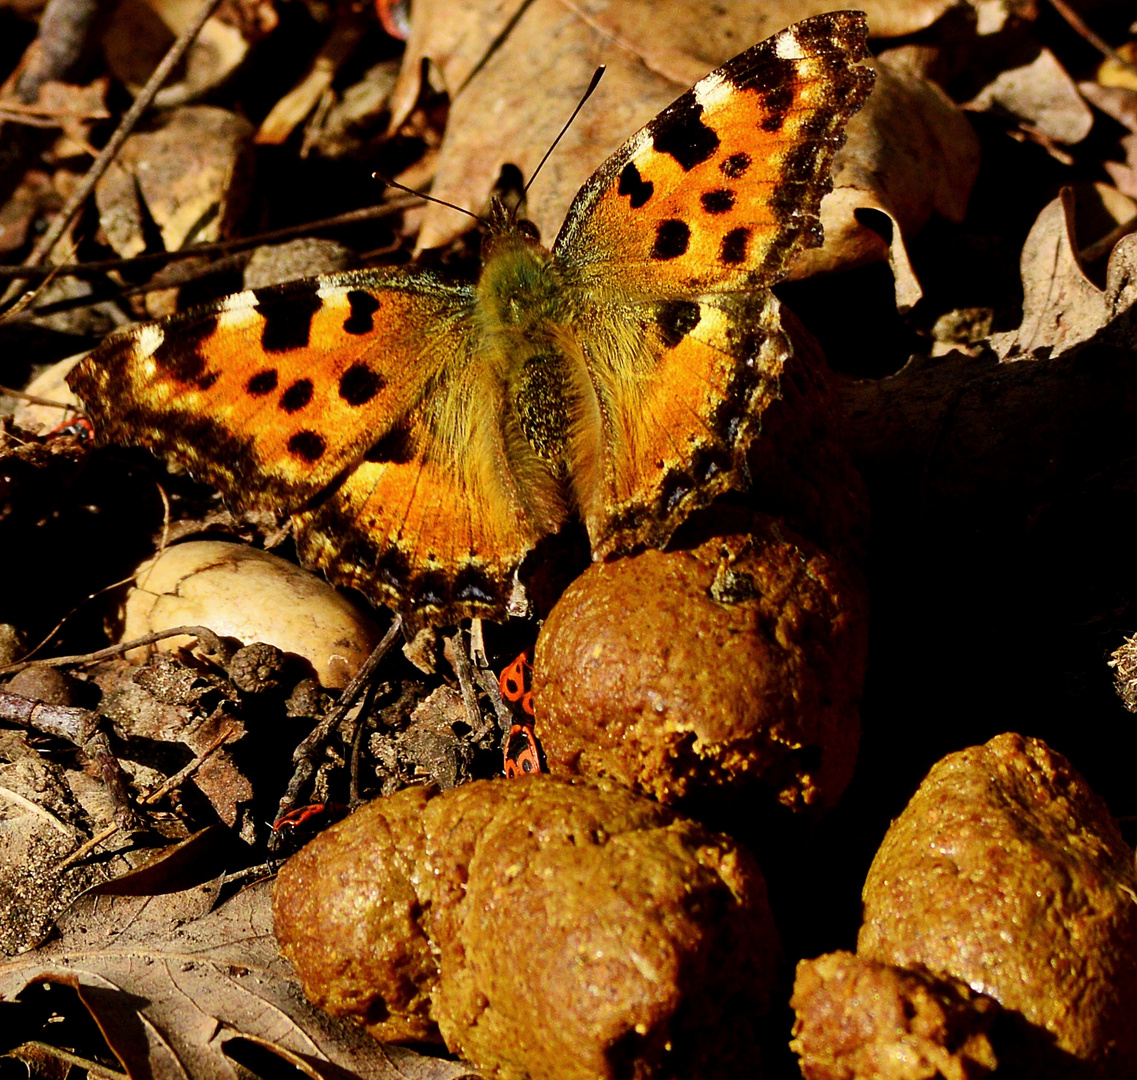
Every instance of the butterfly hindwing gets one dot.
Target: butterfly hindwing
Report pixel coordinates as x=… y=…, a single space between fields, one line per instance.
x=400 y=528
x=673 y=426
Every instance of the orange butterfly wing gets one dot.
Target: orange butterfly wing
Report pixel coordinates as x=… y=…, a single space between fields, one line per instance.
x=348 y=402
x=670 y=246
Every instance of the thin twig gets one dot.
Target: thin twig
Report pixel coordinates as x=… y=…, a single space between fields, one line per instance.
x=81 y=728
x=159 y=792
x=35 y=399
x=86 y=847
x=126 y=125
x=208 y=638
x=1102 y=46
x=39 y=811
x=465 y=672
x=96 y=1070
x=354 y=798
x=220 y=247
x=303 y=758
x=184 y=773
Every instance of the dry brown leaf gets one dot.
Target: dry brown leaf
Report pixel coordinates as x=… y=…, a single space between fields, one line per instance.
x=1124 y=173
x=510 y=99
x=190 y=173
x=1042 y=96
x=291 y=109
x=34 y=194
x=1062 y=308
x=910 y=154
x=171 y=979
x=140 y=32
x=1119 y=102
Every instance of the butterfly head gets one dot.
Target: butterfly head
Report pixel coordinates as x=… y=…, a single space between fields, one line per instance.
x=504 y=228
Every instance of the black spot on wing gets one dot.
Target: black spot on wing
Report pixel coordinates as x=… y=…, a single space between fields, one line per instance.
x=776 y=104
x=672 y=238
x=359 y=384
x=263 y=382
x=206 y=381
x=296 y=396
x=638 y=190
x=776 y=81
x=288 y=322
x=676 y=319
x=681 y=132
x=734 y=166
x=734 y=246
x=181 y=355
x=396 y=447
x=307 y=445
x=363 y=308
x=718 y=201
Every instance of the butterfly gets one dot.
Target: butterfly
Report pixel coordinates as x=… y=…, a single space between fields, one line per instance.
x=424 y=434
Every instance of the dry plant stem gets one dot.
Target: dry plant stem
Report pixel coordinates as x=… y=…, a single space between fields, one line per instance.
x=33 y=808
x=221 y=247
x=80 y=727
x=163 y=789
x=174 y=280
x=1075 y=21
x=35 y=399
x=304 y=757
x=184 y=773
x=354 y=798
x=207 y=637
x=465 y=672
x=492 y=689
x=107 y=154
x=94 y=1069
x=85 y=849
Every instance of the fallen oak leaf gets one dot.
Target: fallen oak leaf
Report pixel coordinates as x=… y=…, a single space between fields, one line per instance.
x=171 y=979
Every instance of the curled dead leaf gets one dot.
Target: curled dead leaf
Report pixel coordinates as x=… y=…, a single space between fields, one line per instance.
x=1042 y=96
x=911 y=153
x=1062 y=307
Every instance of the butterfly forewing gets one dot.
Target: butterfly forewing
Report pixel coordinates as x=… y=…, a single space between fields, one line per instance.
x=719 y=189
x=271 y=394
x=667 y=250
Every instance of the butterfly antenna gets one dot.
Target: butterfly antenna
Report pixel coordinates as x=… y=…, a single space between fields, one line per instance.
x=597 y=75
x=429 y=198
